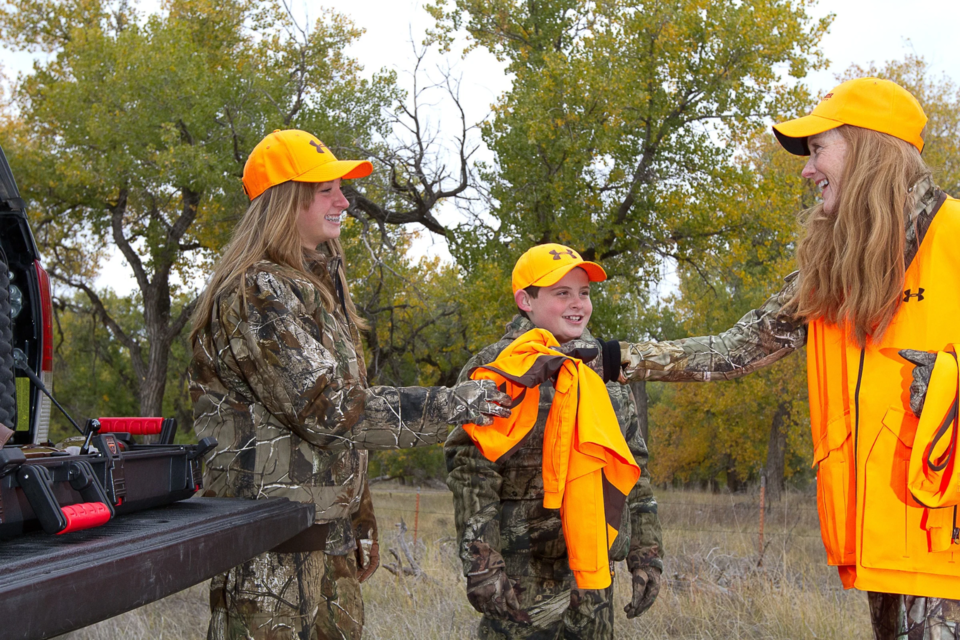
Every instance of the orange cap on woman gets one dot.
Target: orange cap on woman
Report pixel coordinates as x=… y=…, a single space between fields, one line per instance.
x=868 y=103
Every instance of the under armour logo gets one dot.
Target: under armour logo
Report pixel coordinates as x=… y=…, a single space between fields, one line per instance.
x=827 y=97
x=556 y=254
x=918 y=295
x=318 y=145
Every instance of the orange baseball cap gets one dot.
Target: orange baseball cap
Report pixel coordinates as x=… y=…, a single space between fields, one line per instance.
x=869 y=103
x=546 y=264
x=298 y=156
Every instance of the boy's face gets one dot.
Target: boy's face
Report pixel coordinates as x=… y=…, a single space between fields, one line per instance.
x=562 y=309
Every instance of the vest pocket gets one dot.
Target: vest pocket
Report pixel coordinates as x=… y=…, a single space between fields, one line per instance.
x=834 y=458
x=901 y=533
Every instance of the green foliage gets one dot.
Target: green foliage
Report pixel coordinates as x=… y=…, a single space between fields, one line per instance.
x=619 y=137
x=409 y=465
x=134 y=132
x=707 y=430
x=616 y=136
x=93 y=376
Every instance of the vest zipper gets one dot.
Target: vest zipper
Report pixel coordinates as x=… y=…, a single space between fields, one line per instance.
x=956 y=531
x=856 y=406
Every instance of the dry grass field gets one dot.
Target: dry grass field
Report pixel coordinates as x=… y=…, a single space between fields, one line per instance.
x=713 y=586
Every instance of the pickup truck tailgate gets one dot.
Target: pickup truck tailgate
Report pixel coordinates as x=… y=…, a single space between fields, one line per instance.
x=50 y=585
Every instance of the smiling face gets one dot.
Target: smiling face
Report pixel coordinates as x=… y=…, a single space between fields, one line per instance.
x=321 y=220
x=828 y=153
x=563 y=309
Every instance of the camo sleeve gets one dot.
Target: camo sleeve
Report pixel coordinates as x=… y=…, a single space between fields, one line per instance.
x=646 y=535
x=759 y=338
x=475 y=483
x=285 y=361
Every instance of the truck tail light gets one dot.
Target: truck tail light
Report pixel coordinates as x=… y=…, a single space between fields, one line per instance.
x=42 y=419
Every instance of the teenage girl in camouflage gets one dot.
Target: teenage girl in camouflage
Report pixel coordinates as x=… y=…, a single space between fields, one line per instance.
x=278 y=379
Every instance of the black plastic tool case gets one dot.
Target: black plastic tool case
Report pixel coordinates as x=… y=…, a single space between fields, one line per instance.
x=130 y=476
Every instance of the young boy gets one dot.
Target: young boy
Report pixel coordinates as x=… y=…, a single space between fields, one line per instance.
x=513 y=549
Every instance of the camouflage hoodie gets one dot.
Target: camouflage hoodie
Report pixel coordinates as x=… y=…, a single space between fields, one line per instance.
x=501 y=503
x=280 y=382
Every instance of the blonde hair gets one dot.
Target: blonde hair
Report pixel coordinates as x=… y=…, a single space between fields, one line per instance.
x=851 y=262
x=268 y=231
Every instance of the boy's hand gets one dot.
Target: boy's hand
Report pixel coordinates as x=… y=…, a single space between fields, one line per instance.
x=645 y=568
x=489 y=589
x=646 y=587
x=474 y=401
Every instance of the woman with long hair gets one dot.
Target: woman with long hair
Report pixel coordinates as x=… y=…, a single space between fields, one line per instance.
x=877 y=292
x=278 y=378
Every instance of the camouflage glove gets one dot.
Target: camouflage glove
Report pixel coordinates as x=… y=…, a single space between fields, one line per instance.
x=473 y=402
x=924 y=362
x=364 y=571
x=645 y=567
x=489 y=590
x=646 y=587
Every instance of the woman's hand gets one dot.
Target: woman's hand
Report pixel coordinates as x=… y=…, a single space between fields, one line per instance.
x=476 y=402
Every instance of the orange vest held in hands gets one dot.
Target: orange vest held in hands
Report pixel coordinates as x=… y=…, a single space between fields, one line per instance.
x=864 y=433
x=588 y=469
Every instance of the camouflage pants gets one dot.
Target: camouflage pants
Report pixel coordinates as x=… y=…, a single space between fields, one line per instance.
x=900 y=617
x=287 y=596
x=557 y=611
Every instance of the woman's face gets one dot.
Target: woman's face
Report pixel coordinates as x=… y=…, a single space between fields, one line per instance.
x=828 y=152
x=321 y=220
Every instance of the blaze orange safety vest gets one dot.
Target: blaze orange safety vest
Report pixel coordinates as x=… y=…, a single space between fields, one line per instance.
x=874 y=530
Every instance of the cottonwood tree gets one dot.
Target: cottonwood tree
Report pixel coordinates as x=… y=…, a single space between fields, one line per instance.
x=618 y=133
x=733 y=429
x=131 y=134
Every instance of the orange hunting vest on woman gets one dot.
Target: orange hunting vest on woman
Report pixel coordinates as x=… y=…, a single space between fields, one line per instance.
x=875 y=532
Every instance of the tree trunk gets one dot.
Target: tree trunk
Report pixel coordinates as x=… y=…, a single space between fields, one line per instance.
x=639 y=390
x=734 y=482
x=776 y=453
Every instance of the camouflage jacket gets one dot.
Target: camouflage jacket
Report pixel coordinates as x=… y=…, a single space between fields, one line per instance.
x=501 y=503
x=763 y=335
x=280 y=382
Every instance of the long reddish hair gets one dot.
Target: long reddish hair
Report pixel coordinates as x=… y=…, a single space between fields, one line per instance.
x=851 y=262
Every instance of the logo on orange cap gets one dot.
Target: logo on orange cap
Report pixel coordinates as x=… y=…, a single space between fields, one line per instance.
x=546 y=264
x=869 y=103
x=298 y=156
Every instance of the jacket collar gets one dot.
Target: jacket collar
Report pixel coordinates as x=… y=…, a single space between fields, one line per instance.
x=927 y=201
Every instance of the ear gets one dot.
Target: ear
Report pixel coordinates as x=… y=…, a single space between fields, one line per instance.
x=522 y=299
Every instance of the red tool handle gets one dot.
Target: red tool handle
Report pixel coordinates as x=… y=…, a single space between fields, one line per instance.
x=85 y=515
x=133 y=426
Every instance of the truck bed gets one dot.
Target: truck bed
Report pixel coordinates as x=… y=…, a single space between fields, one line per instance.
x=50 y=585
